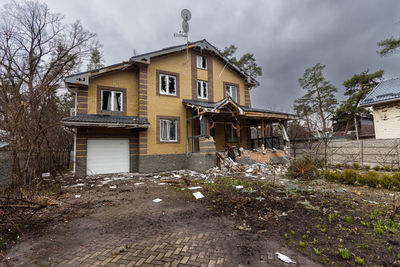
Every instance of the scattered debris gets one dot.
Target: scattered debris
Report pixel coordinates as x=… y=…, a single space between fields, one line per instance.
x=46 y=174
x=238 y=186
x=121 y=249
x=198 y=195
x=284 y=258
x=139 y=183
x=244 y=227
x=194 y=187
x=77 y=196
x=113 y=187
x=157 y=200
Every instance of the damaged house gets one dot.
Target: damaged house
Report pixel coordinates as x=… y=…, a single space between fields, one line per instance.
x=385 y=102
x=164 y=110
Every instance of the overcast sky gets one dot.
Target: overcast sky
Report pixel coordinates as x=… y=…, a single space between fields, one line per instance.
x=286 y=36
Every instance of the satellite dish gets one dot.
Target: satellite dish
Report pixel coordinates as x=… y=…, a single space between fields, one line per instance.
x=185 y=26
x=186 y=15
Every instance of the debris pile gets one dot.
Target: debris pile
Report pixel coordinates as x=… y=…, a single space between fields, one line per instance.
x=249 y=167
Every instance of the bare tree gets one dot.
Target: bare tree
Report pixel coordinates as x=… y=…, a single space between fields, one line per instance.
x=36 y=51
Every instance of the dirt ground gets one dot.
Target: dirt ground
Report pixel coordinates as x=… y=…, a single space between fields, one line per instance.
x=106 y=213
x=309 y=221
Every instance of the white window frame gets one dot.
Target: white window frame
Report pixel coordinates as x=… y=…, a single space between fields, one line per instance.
x=167 y=84
x=199 y=62
x=112 y=100
x=204 y=85
x=168 y=131
x=230 y=88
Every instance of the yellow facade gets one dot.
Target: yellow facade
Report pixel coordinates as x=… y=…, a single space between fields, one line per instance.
x=127 y=79
x=162 y=105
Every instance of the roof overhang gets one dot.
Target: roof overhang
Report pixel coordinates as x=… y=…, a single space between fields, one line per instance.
x=229 y=106
x=105 y=125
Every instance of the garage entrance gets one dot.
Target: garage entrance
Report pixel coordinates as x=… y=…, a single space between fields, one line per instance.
x=107 y=155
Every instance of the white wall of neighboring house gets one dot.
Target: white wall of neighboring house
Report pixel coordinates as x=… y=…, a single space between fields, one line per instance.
x=387 y=121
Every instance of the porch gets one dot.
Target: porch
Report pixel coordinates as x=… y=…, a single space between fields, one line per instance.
x=228 y=124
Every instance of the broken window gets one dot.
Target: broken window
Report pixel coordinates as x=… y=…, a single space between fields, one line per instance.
x=111 y=101
x=202 y=89
x=231 y=91
x=168 y=130
x=167 y=84
x=202 y=62
x=231 y=135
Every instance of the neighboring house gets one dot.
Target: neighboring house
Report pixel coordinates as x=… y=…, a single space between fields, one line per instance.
x=385 y=101
x=164 y=110
x=365 y=127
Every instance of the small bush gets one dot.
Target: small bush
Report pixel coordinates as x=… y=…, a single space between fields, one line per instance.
x=388 y=182
x=377 y=168
x=359 y=261
x=350 y=176
x=369 y=178
x=367 y=167
x=305 y=166
x=356 y=165
x=346 y=166
x=344 y=253
x=329 y=175
x=338 y=165
x=387 y=168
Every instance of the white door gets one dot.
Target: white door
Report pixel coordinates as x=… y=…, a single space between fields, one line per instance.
x=107 y=155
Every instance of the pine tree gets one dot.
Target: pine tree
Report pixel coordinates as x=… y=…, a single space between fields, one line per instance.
x=357 y=88
x=96 y=57
x=320 y=97
x=247 y=62
x=389 y=46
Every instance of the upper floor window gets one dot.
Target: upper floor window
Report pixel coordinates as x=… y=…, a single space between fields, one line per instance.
x=202 y=89
x=167 y=84
x=231 y=91
x=111 y=100
x=168 y=130
x=202 y=62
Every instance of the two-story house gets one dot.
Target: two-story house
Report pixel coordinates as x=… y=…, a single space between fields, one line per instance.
x=164 y=110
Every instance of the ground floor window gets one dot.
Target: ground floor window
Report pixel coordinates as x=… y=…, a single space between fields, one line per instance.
x=231 y=135
x=168 y=130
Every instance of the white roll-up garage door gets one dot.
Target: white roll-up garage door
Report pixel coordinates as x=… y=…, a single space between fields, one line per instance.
x=107 y=155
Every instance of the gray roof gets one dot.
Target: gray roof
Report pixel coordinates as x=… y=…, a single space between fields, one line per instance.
x=202 y=44
x=215 y=105
x=96 y=119
x=386 y=91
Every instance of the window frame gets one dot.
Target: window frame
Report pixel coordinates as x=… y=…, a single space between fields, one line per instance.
x=203 y=83
x=168 y=76
x=159 y=74
x=113 y=93
x=230 y=133
x=99 y=108
x=159 y=120
x=199 y=62
x=226 y=85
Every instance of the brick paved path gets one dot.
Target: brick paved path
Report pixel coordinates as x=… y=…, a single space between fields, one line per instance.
x=175 y=232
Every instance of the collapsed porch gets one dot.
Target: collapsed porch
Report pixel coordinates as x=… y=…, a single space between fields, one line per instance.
x=228 y=124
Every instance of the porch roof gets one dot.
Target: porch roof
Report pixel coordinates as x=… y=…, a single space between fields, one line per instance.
x=109 y=121
x=246 y=111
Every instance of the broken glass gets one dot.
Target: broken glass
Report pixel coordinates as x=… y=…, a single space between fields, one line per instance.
x=163 y=83
x=171 y=85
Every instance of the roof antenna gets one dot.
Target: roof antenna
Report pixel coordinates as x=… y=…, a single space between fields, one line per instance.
x=186 y=16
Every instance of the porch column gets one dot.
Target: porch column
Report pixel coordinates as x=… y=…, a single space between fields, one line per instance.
x=238 y=135
x=263 y=134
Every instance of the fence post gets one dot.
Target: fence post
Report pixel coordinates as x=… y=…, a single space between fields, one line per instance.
x=361 y=147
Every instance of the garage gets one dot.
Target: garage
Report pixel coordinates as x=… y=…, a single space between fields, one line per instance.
x=106 y=155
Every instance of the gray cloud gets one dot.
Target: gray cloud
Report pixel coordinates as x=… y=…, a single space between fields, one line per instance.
x=285 y=36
